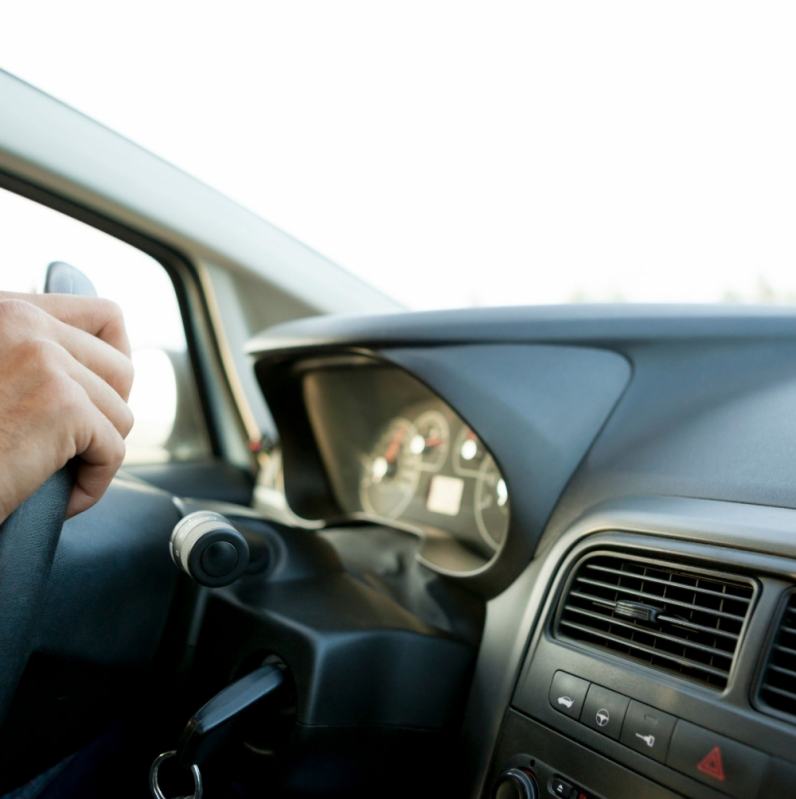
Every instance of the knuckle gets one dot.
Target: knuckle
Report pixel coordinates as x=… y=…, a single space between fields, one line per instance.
x=128 y=420
x=63 y=394
x=127 y=374
x=110 y=309
x=16 y=311
x=111 y=312
x=117 y=451
x=120 y=377
x=114 y=310
x=40 y=354
x=113 y=328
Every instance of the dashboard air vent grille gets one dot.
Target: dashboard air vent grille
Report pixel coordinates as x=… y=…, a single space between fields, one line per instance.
x=663 y=614
x=778 y=688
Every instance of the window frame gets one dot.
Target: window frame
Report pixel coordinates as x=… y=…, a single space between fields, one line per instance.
x=216 y=394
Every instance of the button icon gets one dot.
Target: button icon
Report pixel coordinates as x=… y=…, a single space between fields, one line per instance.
x=604 y=711
x=648 y=731
x=711 y=764
x=648 y=739
x=567 y=694
x=717 y=761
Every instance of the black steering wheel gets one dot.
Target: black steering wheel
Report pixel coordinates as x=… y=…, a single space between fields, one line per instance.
x=29 y=538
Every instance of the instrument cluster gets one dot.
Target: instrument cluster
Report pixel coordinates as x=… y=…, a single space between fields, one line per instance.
x=396 y=453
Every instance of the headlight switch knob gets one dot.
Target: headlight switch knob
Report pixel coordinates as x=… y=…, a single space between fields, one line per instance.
x=208 y=548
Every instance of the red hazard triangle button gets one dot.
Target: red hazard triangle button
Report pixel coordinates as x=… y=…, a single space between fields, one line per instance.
x=713 y=759
x=711 y=764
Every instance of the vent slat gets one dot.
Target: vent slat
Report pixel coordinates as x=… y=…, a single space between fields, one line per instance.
x=666 y=615
x=778 y=686
x=593 y=598
x=670 y=619
x=780 y=692
x=701 y=628
x=655 y=598
x=662 y=636
x=661 y=581
x=646 y=649
x=782 y=670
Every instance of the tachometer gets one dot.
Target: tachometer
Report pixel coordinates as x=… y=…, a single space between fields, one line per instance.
x=391 y=471
x=491 y=503
x=430 y=441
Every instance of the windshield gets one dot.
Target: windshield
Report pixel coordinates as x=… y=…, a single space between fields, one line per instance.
x=453 y=154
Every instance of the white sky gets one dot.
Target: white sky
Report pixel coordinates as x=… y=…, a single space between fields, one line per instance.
x=32 y=236
x=457 y=153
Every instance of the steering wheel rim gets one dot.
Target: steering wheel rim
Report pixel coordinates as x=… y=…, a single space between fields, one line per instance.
x=29 y=538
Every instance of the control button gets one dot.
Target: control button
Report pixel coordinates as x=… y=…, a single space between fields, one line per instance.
x=567 y=694
x=515 y=783
x=562 y=788
x=604 y=711
x=716 y=761
x=648 y=730
x=219 y=558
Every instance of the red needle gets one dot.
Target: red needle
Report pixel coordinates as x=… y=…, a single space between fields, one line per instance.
x=433 y=442
x=395 y=445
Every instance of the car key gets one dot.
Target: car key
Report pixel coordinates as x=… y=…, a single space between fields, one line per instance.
x=213 y=724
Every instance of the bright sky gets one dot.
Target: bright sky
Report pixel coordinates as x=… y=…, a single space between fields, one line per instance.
x=455 y=153
x=31 y=236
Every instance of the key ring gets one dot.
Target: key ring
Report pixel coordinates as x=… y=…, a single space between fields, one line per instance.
x=153 y=778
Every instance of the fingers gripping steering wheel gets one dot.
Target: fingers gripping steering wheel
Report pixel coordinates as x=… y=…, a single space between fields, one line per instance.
x=29 y=537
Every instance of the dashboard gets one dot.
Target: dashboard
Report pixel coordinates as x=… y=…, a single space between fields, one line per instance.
x=396 y=453
x=625 y=476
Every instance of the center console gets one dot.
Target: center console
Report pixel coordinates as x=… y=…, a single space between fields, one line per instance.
x=660 y=665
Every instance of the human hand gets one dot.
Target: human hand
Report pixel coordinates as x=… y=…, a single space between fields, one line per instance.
x=65 y=377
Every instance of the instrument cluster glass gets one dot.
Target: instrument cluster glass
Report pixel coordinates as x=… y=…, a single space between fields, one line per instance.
x=395 y=452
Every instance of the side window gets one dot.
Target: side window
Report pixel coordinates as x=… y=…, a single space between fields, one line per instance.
x=169 y=423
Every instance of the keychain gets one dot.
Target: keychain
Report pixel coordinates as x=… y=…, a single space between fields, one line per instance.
x=153 y=778
x=213 y=724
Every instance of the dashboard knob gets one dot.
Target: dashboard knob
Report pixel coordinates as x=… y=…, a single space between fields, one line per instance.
x=208 y=548
x=515 y=783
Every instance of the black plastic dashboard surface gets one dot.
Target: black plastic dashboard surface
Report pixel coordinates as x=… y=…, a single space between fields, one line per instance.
x=536 y=408
x=698 y=443
x=708 y=412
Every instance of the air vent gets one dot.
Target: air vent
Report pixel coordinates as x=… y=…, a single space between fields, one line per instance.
x=668 y=616
x=778 y=688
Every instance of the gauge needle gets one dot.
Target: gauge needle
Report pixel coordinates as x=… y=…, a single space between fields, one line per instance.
x=391 y=453
x=433 y=442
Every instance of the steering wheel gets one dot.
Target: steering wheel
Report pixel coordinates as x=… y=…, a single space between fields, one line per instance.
x=29 y=538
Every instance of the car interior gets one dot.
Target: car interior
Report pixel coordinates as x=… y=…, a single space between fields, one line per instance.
x=491 y=553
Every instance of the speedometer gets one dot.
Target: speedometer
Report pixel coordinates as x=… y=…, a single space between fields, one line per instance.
x=390 y=472
x=430 y=441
